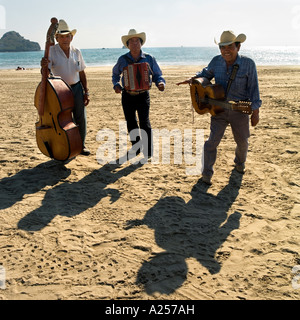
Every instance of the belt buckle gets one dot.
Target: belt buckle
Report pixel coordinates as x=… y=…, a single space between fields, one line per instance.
x=134 y=93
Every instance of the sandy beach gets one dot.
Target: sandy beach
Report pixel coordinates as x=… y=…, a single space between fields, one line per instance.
x=85 y=230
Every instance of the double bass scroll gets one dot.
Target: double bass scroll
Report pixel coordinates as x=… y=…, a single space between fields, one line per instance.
x=50 y=42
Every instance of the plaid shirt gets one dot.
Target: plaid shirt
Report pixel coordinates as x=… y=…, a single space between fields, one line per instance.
x=244 y=87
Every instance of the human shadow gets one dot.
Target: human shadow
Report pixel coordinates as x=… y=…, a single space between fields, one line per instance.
x=196 y=229
x=30 y=181
x=70 y=199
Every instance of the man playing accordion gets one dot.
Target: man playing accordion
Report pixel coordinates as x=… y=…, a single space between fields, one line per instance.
x=138 y=70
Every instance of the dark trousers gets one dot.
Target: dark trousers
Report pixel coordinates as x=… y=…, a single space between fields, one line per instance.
x=79 y=111
x=239 y=123
x=139 y=104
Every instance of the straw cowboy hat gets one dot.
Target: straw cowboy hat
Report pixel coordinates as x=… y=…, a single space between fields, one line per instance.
x=228 y=37
x=133 y=34
x=63 y=28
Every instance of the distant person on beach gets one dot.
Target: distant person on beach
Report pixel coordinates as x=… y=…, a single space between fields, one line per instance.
x=137 y=101
x=67 y=62
x=243 y=88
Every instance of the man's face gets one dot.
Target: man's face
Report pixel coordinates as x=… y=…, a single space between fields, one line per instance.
x=64 y=40
x=230 y=52
x=134 y=44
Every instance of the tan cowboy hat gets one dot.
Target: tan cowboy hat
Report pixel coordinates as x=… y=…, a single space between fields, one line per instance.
x=63 y=28
x=228 y=37
x=133 y=34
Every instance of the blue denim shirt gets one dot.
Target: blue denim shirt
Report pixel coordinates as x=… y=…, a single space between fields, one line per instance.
x=144 y=57
x=244 y=87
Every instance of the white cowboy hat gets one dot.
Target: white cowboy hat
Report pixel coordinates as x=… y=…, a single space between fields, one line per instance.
x=228 y=37
x=63 y=28
x=133 y=34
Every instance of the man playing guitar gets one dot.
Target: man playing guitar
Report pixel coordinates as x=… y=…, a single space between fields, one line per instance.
x=244 y=86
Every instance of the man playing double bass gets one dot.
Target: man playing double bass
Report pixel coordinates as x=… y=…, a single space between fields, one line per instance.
x=67 y=62
x=243 y=87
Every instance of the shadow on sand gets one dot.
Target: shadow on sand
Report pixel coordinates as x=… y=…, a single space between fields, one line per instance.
x=30 y=181
x=196 y=229
x=70 y=199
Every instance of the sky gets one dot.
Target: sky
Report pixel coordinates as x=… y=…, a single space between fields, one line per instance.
x=167 y=23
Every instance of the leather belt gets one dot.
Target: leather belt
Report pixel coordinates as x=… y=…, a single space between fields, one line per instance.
x=135 y=93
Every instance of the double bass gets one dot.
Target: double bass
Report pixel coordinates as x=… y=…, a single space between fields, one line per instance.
x=57 y=135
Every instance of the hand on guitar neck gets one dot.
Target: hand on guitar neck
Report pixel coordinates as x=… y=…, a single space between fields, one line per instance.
x=203 y=81
x=255 y=118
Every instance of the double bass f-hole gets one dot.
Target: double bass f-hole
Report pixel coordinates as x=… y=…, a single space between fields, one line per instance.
x=54 y=125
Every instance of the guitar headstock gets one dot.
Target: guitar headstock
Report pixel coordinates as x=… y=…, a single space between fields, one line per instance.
x=243 y=106
x=52 y=31
x=244 y=103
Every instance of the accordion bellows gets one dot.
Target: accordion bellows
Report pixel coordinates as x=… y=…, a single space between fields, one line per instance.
x=137 y=77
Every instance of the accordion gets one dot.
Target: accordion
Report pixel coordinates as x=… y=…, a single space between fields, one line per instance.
x=137 y=77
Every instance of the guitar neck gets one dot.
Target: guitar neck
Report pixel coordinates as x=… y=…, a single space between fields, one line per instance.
x=219 y=103
x=244 y=106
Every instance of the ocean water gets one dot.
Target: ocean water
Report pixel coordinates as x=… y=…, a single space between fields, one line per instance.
x=263 y=56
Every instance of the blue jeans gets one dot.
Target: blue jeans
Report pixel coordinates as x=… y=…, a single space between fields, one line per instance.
x=239 y=123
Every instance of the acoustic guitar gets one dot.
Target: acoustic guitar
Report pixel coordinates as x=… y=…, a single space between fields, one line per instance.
x=211 y=99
